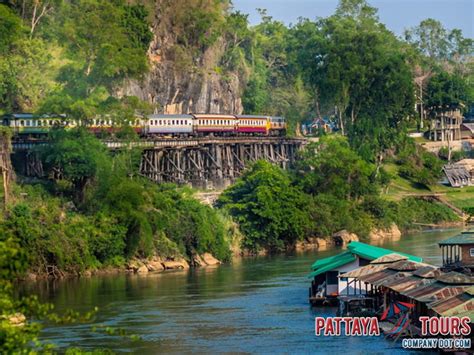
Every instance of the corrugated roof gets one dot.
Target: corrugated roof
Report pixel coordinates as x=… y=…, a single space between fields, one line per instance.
x=364 y=270
x=389 y=258
x=460 y=303
x=378 y=278
x=470 y=291
x=342 y=259
x=406 y=283
x=463 y=238
x=428 y=272
x=455 y=278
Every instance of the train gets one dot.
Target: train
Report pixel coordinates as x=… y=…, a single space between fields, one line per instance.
x=154 y=125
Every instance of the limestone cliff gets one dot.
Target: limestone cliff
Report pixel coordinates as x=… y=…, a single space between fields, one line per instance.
x=183 y=78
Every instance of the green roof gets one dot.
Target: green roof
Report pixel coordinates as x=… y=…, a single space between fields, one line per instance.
x=463 y=238
x=362 y=250
x=321 y=262
x=337 y=261
x=371 y=252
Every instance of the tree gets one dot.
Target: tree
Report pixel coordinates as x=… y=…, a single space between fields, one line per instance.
x=270 y=211
x=332 y=167
x=75 y=158
x=358 y=66
x=447 y=92
x=25 y=67
x=439 y=44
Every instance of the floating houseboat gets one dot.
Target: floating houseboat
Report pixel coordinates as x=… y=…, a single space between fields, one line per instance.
x=458 y=252
x=326 y=285
x=422 y=289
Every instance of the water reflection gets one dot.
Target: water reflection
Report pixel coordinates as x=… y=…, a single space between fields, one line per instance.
x=252 y=305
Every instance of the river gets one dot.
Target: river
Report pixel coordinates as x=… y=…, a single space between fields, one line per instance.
x=251 y=305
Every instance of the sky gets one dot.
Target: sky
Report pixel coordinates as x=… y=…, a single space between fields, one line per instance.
x=397 y=15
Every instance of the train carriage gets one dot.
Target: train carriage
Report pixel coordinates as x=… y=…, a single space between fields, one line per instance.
x=215 y=124
x=169 y=125
x=105 y=124
x=277 y=126
x=28 y=124
x=253 y=125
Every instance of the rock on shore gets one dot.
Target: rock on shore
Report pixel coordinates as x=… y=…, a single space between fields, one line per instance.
x=393 y=233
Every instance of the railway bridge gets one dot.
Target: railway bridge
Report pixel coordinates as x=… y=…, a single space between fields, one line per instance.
x=202 y=162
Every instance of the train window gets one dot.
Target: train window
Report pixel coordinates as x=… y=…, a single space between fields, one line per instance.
x=182 y=122
x=22 y=123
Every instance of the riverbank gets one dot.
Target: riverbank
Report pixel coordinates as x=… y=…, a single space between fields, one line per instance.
x=160 y=264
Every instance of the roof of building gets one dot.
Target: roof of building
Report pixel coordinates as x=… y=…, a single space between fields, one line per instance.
x=459 y=305
x=389 y=258
x=359 y=249
x=448 y=294
x=455 y=278
x=468 y=126
x=335 y=262
x=456 y=173
x=371 y=252
x=463 y=238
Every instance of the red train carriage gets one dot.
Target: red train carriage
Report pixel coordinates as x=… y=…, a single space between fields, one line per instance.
x=253 y=125
x=207 y=124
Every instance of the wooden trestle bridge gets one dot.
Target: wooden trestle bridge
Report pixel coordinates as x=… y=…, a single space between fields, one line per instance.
x=203 y=162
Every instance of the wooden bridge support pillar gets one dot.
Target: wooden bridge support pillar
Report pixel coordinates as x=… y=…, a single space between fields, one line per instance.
x=213 y=164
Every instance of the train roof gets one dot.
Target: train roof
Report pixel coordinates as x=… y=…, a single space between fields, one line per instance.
x=251 y=116
x=213 y=115
x=31 y=115
x=162 y=116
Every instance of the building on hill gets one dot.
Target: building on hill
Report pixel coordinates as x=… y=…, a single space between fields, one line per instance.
x=326 y=285
x=458 y=252
x=446 y=126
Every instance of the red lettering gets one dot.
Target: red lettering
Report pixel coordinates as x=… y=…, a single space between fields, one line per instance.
x=374 y=327
x=444 y=325
x=465 y=328
x=434 y=326
x=338 y=320
x=356 y=327
x=424 y=323
x=347 y=325
x=329 y=328
x=454 y=328
x=319 y=324
x=365 y=324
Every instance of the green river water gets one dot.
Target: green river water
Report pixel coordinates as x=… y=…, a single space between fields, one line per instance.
x=252 y=305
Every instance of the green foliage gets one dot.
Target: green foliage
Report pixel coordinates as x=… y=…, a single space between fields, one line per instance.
x=418 y=165
x=412 y=211
x=434 y=41
x=332 y=167
x=76 y=157
x=446 y=92
x=269 y=210
x=191 y=226
x=24 y=65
